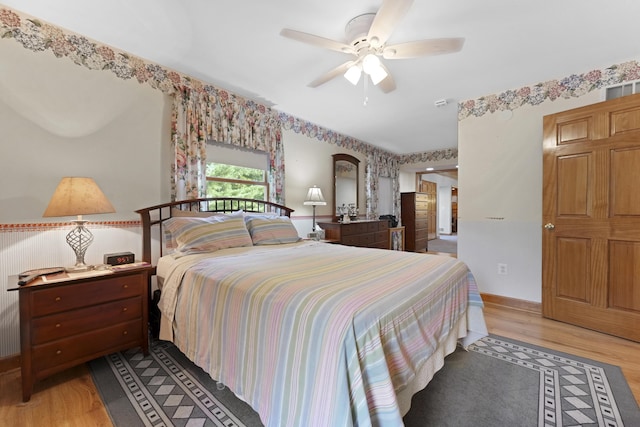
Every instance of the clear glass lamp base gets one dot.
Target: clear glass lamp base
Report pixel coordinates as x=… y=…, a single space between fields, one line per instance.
x=79 y=239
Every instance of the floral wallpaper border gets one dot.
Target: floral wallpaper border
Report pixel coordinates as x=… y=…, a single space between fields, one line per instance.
x=573 y=86
x=38 y=36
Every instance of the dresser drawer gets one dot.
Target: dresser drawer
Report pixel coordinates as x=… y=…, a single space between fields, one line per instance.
x=372 y=233
x=422 y=233
x=421 y=244
x=380 y=245
x=421 y=224
x=62 y=298
x=421 y=215
x=363 y=240
x=56 y=326
x=368 y=240
x=77 y=349
x=422 y=205
x=381 y=237
x=357 y=228
x=372 y=227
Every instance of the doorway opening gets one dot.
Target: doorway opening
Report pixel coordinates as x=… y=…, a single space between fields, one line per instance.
x=442 y=187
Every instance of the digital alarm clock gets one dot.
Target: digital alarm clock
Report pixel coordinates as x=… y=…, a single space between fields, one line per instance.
x=119 y=258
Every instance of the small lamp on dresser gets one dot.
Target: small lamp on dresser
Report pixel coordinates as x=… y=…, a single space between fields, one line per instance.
x=314 y=198
x=78 y=196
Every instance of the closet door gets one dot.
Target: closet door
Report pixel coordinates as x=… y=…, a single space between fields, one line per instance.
x=591 y=217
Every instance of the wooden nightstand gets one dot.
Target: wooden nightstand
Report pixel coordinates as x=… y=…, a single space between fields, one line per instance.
x=66 y=323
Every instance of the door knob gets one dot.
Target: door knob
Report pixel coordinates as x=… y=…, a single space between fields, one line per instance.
x=549 y=226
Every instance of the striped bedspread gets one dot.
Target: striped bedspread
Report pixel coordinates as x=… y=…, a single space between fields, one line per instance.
x=314 y=334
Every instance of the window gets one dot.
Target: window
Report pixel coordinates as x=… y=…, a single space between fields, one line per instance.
x=236 y=172
x=236 y=181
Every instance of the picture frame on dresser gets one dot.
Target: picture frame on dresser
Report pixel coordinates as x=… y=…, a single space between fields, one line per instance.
x=396 y=238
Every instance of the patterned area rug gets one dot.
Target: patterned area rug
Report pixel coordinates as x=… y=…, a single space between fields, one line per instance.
x=571 y=392
x=497 y=382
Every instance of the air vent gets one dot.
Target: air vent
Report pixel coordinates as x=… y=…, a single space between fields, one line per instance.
x=624 y=89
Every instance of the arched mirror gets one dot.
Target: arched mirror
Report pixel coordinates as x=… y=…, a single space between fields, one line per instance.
x=345 y=185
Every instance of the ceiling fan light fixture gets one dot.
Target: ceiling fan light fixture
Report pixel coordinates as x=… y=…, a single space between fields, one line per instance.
x=370 y=63
x=373 y=67
x=366 y=39
x=378 y=74
x=353 y=74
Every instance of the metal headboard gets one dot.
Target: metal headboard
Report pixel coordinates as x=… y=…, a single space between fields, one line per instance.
x=154 y=216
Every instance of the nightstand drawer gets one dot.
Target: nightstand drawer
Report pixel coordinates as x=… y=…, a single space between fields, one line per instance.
x=61 y=298
x=86 y=346
x=69 y=322
x=55 y=326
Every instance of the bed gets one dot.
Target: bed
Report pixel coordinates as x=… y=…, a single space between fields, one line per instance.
x=307 y=333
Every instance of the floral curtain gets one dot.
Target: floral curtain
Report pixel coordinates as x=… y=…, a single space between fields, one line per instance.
x=208 y=114
x=276 y=171
x=381 y=166
x=188 y=142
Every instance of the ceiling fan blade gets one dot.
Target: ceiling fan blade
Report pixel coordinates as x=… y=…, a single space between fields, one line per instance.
x=316 y=41
x=387 y=84
x=385 y=21
x=423 y=47
x=338 y=71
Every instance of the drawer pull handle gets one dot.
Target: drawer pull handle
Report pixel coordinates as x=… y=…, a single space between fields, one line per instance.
x=58 y=325
x=125 y=333
x=125 y=286
x=59 y=352
x=124 y=309
x=58 y=299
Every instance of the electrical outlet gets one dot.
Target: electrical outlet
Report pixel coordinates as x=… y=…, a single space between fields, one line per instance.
x=502 y=269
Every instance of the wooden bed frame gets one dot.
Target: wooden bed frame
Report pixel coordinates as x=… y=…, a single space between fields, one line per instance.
x=154 y=216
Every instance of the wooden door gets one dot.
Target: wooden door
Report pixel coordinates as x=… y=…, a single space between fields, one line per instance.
x=431 y=189
x=591 y=217
x=454 y=210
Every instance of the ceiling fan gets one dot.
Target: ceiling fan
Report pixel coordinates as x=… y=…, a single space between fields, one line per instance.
x=367 y=37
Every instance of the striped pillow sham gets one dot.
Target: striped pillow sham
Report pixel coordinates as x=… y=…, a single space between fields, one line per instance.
x=193 y=234
x=271 y=231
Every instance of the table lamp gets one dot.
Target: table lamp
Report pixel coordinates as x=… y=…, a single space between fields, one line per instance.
x=314 y=198
x=78 y=196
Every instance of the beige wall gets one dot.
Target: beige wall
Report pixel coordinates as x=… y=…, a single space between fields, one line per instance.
x=309 y=162
x=500 y=196
x=59 y=119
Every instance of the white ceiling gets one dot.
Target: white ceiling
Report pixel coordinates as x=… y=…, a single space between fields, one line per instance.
x=235 y=44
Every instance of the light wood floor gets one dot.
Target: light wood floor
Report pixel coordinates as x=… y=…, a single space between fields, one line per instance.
x=70 y=398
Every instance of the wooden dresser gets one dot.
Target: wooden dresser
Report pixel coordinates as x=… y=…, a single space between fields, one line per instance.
x=415 y=218
x=369 y=234
x=66 y=323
